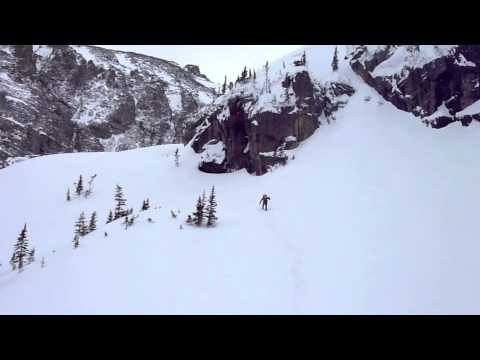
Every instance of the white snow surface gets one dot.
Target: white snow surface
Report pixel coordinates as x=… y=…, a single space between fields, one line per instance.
x=376 y=215
x=472 y=109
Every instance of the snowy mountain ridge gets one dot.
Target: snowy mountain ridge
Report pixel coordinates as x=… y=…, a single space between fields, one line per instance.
x=86 y=98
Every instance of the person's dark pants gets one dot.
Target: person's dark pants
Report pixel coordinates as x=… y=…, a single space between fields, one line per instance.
x=264 y=206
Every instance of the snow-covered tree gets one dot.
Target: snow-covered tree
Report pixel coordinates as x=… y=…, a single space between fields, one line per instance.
x=93 y=222
x=79 y=188
x=31 y=256
x=119 y=198
x=110 y=217
x=89 y=191
x=145 y=205
x=68 y=195
x=224 y=86
x=177 y=157
x=76 y=241
x=267 y=79
x=81 y=228
x=198 y=214
x=212 y=208
x=126 y=222
x=20 y=250
x=335 y=60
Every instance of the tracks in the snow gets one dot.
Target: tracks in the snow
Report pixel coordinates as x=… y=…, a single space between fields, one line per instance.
x=296 y=256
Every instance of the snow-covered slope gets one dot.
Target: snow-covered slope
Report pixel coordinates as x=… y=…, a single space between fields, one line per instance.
x=376 y=214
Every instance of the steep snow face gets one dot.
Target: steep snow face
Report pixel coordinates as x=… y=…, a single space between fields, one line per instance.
x=92 y=95
x=375 y=215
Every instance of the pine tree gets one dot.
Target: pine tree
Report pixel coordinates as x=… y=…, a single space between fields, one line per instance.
x=177 y=158
x=224 y=86
x=126 y=222
x=249 y=73
x=204 y=204
x=254 y=75
x=79 y=188
x=31 y=256
x=93 y=222
x=119 y=208
x=13 y=263
x=267 y=80
x=76 y=241
x=81 y=228
x=110 y=217
x=198 y=214
x=147 y=204
x=68 y=195
x=212 y=208
x=21 y=249
x=335 y=60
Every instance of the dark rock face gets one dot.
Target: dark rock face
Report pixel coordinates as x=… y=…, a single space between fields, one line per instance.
x=195 y=70
x=255 y=141
x=422 y=87
x=65 y=98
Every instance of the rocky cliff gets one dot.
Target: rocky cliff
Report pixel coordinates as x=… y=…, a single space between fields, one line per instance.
x=255 y=125
x=63 y=98
x=437 y=83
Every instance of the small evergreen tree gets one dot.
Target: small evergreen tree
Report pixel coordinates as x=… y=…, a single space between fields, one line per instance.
x=126 y=222
x=198 y=214
x=119 y=198
x=204 y=204
x=254 y=75
x=13 y=263
x=189 y=219
x=76 y=241
x=110 y=217
x=81 y=228
x=79 y=188
x=68 y=195
x=42 y=263
x=335 y=60
x=212 y=208
x=20 y=250
x=177 y=158
x=224 y=86
x=249 y=73
x=93 y=222
x=267 y=80
x=31 y=256
x=230 y=86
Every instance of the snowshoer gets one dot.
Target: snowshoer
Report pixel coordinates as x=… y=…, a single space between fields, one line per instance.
x=264 y=202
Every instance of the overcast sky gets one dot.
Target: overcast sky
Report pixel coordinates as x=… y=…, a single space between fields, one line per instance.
x=215 y=61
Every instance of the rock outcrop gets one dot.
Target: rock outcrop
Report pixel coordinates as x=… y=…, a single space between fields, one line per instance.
x=254 y=128
x=63 y=98
x=437 y=83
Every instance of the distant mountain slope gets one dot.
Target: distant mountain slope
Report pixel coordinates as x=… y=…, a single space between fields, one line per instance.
x=63 y=98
